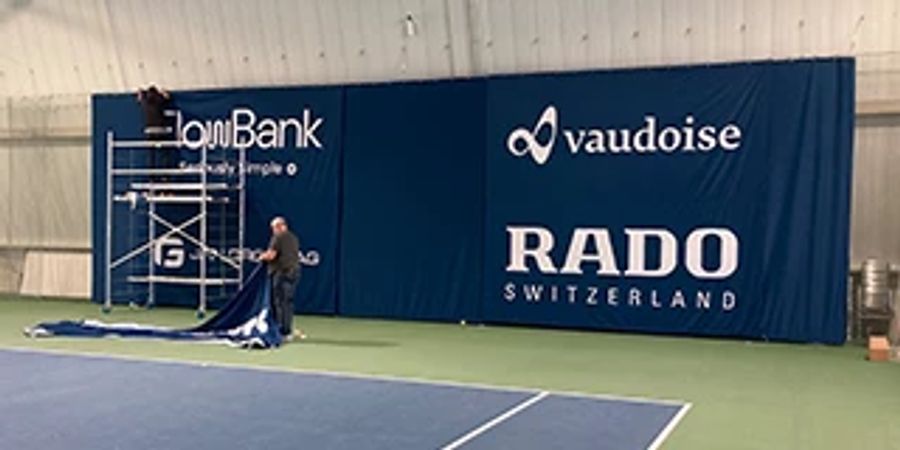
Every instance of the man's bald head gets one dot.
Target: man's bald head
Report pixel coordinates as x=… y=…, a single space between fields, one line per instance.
x=279 y=225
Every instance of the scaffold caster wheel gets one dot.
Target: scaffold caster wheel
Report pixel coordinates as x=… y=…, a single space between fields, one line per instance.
x=201 y=314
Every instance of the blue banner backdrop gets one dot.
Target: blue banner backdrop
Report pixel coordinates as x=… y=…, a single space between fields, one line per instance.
x=705 y=200
x=411 y=244
x=700 y=200
x=297 y=177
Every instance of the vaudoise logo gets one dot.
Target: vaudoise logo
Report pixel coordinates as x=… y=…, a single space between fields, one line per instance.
x=646 y=138
x=683 y=272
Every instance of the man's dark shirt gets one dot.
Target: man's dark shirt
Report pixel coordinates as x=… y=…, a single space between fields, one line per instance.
x=287 y=248
x=153 y=104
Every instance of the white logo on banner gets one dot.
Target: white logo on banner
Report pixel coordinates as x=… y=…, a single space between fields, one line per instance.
x=169 y=253
x=687 y=137
x=244 y=129
x=592 y=251
x=538 y=151
x=604 y=255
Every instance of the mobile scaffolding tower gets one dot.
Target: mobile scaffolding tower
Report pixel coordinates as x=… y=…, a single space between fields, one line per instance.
x=198 y=203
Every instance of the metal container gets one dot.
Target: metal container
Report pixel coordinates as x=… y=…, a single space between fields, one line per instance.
x=875 y=284
x=894 y=333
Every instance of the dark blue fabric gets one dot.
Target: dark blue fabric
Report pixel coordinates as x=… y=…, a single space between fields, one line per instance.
x=308 y=199
x=121 y=113
x=784 y=194
x=246 y=321
x=54 y=402
x=413 y=201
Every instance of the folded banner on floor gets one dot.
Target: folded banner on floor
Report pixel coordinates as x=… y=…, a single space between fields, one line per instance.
x=245 y=321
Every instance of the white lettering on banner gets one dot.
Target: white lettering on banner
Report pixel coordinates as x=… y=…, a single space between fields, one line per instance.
x=648 y=138
x=243 y=129
x=576 y=255
x=637 y=242
x=612 y=295
x=728 y=253
x=634 y=297
x=540 y=253
x=170 y=253
x=604 y=256
x=622 y=297
x=262 y=169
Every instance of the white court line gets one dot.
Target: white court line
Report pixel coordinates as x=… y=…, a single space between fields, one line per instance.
x=495 y=421
x=669 y=428
x=330 y=373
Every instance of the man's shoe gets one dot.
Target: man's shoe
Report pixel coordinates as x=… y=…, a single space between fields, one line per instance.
x=299 y=334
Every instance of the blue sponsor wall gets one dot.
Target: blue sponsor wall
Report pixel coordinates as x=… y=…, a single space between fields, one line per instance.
x=752 y=160
x=707 y=200
x=411 y=243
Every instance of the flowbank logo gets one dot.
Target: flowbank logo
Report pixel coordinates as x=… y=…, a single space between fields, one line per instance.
x=244 y=129
x=649 y=138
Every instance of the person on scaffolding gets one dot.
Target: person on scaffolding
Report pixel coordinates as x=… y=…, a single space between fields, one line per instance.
x=154 y=102
x=283 y=259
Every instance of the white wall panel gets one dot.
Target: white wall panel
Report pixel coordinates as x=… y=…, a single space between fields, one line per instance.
x=648 y=32
x=546 y=36
x=56 y=274
x=600 y=42
x=624 y=33
x=353 y=44
x=787 y=27
x=876 y=210
x=49 y=193
x=677 y=29
x=758 y=31
x=428 y=54
x=302 y=18
x=5 y=180
x=500 y=41
x=728 y=29
x=703 y=30
x=44 y=181
x=459 y=18
x=416 y=48
x=523 y=36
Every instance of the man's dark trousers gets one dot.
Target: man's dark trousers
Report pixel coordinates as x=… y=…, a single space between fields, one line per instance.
x=283 y=286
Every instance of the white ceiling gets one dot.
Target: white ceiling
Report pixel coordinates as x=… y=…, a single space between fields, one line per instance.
x=56 y=47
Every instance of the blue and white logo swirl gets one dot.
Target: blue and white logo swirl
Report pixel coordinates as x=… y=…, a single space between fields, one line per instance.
x=523 y=142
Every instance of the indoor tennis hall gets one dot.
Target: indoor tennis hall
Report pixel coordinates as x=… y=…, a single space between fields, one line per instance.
x=449 y=224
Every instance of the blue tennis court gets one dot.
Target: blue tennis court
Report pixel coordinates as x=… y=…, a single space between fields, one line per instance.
x=59 y=401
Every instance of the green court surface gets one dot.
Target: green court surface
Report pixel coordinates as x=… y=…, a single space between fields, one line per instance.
x=744 y=395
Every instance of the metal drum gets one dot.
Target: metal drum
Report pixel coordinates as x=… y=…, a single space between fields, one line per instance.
x=894 y=333
x=876 y=284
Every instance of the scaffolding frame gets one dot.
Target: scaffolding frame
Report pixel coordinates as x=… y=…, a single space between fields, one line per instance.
x=199 y=192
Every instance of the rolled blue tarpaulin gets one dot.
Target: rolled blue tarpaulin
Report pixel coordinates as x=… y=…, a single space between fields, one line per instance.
x=245 y=321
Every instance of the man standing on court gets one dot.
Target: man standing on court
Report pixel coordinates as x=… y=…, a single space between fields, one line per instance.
x=283 y=258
